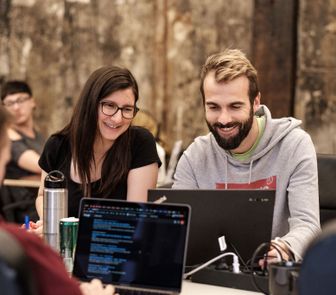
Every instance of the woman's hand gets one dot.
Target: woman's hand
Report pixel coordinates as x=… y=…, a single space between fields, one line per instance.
x=35 y=227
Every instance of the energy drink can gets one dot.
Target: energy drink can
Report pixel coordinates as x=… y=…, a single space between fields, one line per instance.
x=68 y=228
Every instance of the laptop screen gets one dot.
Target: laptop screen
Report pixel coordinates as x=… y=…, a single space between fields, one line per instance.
x=134 y=244
x=244 y=217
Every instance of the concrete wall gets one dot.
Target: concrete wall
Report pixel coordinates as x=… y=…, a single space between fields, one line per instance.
x=315 y=98
x=56 y=44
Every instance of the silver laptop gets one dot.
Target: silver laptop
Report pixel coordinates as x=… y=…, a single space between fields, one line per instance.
x=134 y=246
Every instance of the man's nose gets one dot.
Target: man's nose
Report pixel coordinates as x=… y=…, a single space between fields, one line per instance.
x=224 y=117
x=15 y=105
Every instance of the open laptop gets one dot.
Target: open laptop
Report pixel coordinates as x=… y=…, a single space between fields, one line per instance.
x=244 y=217
x=136 y=246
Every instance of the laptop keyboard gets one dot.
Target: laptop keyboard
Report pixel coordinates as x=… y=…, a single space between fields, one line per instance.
x=122 y=291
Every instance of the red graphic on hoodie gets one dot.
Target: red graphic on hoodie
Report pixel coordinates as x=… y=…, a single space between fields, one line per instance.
x=265 y=184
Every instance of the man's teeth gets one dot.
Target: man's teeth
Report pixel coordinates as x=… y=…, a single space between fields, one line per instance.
x=227 y=128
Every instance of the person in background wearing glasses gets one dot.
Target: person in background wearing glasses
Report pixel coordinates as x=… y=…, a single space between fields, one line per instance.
x=99 y=152
x=27 y=142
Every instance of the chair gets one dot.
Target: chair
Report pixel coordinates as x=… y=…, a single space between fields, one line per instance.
x=16 y=202
x=15 y=275
x=327 y=186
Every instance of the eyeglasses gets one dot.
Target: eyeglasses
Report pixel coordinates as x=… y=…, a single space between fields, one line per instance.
x=19 y=101
x=110 y=109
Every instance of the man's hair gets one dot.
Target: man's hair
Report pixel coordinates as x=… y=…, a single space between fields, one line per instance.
x=228 y=65
x=15 y=86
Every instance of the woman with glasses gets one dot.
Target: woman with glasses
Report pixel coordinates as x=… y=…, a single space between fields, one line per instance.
x=101 y=154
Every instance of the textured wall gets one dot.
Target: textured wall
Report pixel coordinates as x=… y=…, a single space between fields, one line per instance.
x=56 y=44
x=194 y=30
x=316 y=76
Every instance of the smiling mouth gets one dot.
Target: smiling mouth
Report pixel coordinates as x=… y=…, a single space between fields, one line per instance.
x=228 y=131
x=111 y=126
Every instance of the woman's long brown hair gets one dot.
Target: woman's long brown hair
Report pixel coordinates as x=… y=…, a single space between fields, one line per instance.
x=83 y=128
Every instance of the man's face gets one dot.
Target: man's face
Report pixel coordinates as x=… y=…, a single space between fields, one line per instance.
x=229 y=113
x=21 y=106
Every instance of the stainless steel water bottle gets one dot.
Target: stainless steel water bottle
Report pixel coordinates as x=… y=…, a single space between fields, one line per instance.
x=55 y=206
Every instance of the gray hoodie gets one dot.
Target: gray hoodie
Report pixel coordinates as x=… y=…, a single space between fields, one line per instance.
x=285 y=160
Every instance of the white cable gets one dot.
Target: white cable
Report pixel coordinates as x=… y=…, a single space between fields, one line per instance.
x=235 y=264
x=296 y=254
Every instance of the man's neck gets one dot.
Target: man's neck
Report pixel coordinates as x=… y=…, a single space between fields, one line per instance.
x=26 y=128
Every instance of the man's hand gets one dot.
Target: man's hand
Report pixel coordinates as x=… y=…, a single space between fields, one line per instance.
x=277 y=253
x=95 y=287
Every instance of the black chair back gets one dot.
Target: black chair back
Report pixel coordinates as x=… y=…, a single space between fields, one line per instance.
x=327 y=186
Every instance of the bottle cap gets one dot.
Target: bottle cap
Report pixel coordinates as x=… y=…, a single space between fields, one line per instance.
x=55 y=179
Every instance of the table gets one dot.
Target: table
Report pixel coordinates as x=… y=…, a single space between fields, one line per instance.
x=191 y=288
x=27 y=181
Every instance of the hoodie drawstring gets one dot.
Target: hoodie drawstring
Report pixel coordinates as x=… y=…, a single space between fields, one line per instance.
x=226 y=172
x=250 y=172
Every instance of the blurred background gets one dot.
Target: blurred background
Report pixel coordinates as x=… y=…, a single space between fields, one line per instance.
x=55 y=44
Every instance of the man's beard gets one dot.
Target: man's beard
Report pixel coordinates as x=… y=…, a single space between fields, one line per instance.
x=232 y=142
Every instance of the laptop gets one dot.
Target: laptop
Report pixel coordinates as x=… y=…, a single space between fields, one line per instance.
x=244 y=217
x=135 y=246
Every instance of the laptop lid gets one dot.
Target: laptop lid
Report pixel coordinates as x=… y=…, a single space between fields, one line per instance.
x=244 y=217
x=140 y=245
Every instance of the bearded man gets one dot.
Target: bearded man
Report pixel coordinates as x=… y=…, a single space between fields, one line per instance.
x=248 y=149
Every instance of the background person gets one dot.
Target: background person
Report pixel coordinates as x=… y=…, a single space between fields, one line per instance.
x=47 y=267
x=27 y=145
x=247 y=148
x=99 y=151
x=27 y=142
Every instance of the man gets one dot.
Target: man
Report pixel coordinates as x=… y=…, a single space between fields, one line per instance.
x=246 y=148
x=27 y=145
x=48 y=270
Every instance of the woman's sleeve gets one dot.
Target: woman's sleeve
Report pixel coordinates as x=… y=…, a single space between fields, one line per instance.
x=51 y=154
x=143 y=149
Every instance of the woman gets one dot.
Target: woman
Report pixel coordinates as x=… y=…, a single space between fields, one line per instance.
x=99 y=151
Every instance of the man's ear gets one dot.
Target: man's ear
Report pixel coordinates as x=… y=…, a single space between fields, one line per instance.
x=256 y=103
x=33 y=102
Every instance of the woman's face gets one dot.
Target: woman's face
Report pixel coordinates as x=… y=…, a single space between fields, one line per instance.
x=115 y=114
x=4 y=156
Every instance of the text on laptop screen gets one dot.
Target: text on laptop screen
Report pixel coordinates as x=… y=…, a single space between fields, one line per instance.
x=138 y=244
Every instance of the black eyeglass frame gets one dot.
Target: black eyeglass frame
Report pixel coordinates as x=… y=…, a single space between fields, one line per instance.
x=18 y=101
x=103 y=103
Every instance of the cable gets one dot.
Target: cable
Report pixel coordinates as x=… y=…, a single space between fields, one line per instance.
x=263 y=245
x=238 y=254
x=235 y=264
x=273 y=244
